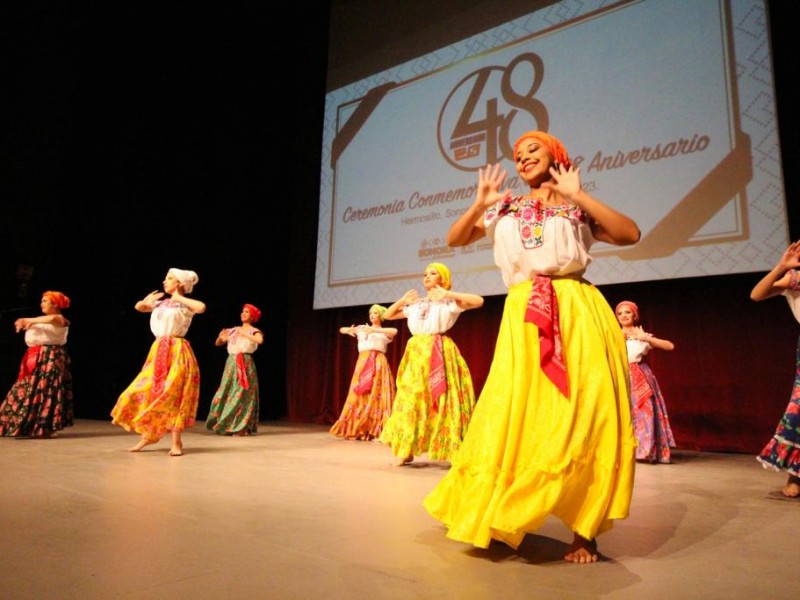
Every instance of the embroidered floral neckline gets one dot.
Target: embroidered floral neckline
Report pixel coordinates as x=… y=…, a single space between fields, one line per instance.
x=532 y=214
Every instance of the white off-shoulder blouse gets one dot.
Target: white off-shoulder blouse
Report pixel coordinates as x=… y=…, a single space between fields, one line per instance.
x=368 y=342
x=238 y=344
x=427 y=316
x=170 y=318
x=533 y=239
x=46 y=334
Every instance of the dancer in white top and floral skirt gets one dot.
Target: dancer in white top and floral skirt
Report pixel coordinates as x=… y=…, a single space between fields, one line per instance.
x=435 y=396
x=39 y=404
x=782 y=452
x=372 y=387
x=163 y=397
x=235 y=406
x=651 y=426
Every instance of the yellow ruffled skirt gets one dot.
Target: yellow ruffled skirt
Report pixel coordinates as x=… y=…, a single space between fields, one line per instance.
x=530 y=452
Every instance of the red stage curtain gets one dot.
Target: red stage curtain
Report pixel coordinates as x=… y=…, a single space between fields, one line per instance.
x=726 y=384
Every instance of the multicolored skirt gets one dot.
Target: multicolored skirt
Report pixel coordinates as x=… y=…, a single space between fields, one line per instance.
x=650 y=420
x=40 y=402
x=782 y=452
x=419 y=424
x=165 y=394
x=364 y=414
x=234 y=408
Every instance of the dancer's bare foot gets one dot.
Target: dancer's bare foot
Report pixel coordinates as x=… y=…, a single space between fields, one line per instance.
x=177 y=444
x=142 y=443
x=582 y=550
x=792 y=487
x=404 y=460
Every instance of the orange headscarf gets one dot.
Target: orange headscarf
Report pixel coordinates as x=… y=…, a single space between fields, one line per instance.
x=553 y=145
x=57 y=298
x=632 y=306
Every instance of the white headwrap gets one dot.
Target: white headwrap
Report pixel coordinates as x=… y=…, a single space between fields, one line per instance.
x=187 y=279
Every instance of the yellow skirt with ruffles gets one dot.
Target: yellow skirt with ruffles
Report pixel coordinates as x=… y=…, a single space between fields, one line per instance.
x=153 y=412
x=419 y=425
x=530 y=451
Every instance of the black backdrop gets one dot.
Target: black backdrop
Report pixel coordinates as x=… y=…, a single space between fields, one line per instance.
x=137 y=138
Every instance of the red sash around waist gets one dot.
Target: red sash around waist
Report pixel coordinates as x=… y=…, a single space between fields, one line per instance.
x=542 y=311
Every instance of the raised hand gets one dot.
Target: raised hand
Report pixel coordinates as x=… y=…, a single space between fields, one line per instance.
x=152 y=298
x=490 y=180
x=791 y=256
x=566 y=182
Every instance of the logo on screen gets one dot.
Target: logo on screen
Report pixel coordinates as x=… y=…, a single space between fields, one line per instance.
x=477 y=117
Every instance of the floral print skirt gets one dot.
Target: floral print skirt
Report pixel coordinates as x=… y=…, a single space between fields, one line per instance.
x=364 y=414
x=419 y=424
x=40 y=402
x=165 y=394
x=782 y=452
x=234 y=408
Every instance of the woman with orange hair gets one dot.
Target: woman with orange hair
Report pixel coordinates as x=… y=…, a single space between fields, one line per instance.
x=435 y=397
x=551 y=434
x=39 y=403
x=234 y=408
x=649 y=411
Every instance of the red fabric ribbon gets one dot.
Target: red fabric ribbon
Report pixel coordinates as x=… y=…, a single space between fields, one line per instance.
x=437 y=378
x=29 y=360
x=241 y=371
x=640 y=387
x=367 y=375
x=542 y=311
x=161 y=367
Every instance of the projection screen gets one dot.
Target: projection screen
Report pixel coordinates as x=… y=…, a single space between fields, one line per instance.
x=667 y=107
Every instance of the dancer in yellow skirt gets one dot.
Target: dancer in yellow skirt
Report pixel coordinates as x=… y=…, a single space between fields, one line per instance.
x=551 y=433
x=435 y=397
x=164 y=396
